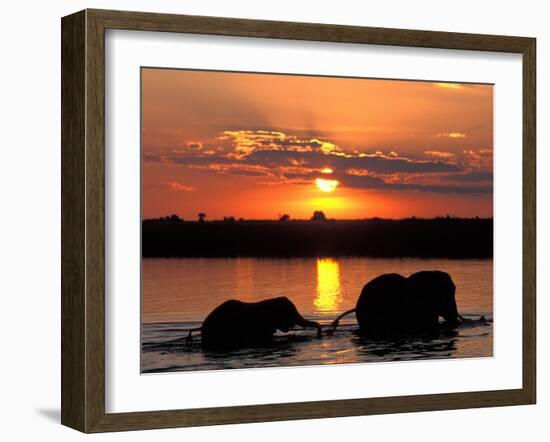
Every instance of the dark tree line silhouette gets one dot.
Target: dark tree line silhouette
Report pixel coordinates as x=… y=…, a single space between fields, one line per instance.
x=444 y=237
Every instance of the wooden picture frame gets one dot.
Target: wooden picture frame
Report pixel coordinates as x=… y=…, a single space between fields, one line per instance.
x=83 y=220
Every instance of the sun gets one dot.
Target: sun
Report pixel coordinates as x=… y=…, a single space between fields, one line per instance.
x=326 y=185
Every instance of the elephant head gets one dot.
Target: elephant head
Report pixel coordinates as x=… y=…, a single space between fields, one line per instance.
x=439 y=291
x=283 y=315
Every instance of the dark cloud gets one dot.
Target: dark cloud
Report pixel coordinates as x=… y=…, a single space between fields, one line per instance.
x=378 y=183
x=469 y=177
x=288 y=158
x=369 y=182
x=246 y=172
x=151 y=158
x=374 y=164
x=195 y=160
x=301 y=175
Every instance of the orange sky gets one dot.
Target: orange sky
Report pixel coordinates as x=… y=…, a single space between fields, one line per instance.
x=253 y=145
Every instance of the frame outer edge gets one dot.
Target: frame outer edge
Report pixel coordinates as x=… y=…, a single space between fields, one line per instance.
x=529 y=221
x=73 y=255
x=196 y=24
x=83 y=218
x=95 y=222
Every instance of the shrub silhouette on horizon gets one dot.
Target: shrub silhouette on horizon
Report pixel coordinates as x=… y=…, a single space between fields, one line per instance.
x=318 y=215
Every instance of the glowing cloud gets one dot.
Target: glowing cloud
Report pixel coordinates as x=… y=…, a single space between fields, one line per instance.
x=174 y=185
x=451 y=135
x=439 y=154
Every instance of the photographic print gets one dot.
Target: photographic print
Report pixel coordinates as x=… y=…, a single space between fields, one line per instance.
x=295 y=220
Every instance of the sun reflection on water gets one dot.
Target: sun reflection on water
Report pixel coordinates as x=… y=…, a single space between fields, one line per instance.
x=329 y=292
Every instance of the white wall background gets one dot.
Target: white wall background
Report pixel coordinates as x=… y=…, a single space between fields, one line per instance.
x=30 y=217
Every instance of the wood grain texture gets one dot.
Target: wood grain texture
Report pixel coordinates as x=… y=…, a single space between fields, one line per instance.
x=73 y=255
x=95 y=221
x=144 y=21
x=529 y=220
x=308 y=410
x=83 y=220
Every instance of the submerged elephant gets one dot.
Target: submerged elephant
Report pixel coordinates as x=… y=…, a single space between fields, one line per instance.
x=236 y=324
x=394 y=305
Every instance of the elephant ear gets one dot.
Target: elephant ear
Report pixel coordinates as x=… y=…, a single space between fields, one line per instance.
x=446 y=297
x=438 y=290
x=441 y=281
x=282 y=313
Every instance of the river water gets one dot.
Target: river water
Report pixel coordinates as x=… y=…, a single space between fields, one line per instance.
x=178 y=294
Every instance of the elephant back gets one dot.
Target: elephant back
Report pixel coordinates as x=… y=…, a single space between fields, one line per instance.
x=230 y=323
x=236 y=323
x=382 y=305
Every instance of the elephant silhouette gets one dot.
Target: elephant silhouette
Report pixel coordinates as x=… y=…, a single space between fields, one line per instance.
x=392 y=304
x=235 y=324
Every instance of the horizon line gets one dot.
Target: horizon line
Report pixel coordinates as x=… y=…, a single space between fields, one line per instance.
x=373 y=218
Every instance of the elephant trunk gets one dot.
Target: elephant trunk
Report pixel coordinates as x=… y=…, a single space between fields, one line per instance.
x=337 y=321
x=303 y=322
x=452 y=317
